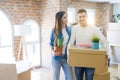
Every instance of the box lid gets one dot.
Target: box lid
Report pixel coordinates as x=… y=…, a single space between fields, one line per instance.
x=87 y=50
x=8 y=72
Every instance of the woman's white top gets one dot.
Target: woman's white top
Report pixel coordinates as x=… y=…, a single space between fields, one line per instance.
x=65 y=39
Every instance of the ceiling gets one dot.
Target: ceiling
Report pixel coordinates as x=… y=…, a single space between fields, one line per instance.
x=110 y=1
x=97 y=0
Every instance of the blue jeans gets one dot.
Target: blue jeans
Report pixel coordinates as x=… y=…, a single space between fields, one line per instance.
x=57 y=64
x=89 y=73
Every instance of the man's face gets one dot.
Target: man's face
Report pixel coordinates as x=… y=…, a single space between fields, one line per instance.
x=82 y=18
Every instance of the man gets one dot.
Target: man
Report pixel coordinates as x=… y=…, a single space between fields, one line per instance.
x=82 y=34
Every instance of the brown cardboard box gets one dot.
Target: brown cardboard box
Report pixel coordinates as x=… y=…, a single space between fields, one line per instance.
x=102 y=76
x=119 y=71
x=8 y=72
x=88 y=58
x=26 y=75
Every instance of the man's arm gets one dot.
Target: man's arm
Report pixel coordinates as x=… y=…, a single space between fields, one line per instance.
x=72 y=39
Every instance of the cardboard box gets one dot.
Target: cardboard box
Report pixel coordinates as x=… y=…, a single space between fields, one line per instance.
x=8 y=72
x=25 y=75
x=119 y=71
x=88 y=58
x=102 y=76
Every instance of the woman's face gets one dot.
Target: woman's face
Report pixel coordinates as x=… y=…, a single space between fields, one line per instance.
x=64 y=19
x=82 y=18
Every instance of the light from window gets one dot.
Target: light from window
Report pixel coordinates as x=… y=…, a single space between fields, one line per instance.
x=91 y=16
x=71 y=15
x=5 y=30
x=32 y=43
x=34 y=31
x=6 y=39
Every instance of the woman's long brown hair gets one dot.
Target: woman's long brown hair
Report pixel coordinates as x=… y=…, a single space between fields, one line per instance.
x=58 y=22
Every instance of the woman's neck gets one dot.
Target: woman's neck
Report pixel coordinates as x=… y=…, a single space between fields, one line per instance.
x=64 y=25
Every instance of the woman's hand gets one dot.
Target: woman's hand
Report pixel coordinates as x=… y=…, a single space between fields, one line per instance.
x=57 y=53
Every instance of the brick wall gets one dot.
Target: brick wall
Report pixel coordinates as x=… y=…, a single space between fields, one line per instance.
x=63 y=5
x=103 y=15
x=48 y=9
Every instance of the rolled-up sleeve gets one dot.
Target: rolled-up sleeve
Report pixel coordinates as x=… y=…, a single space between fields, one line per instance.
x=51 y=39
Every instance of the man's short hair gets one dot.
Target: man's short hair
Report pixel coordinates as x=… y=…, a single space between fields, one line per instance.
x=81 y=11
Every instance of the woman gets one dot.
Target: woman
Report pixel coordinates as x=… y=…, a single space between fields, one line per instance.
x=60 y=36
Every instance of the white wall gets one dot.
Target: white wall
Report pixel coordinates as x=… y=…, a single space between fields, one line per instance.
x=113 y=37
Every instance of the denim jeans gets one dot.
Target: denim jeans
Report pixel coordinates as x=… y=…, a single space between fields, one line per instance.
x=89 y=73
x=57 y=64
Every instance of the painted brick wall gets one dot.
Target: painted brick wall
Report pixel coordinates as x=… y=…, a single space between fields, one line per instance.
x=48 y=10
x=103 y=15
x=63 y=5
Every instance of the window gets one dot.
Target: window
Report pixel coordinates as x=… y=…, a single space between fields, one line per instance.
x=5 y=30
x=71 y=15
x=6 y=39
x=32 y=43
x=91 y=16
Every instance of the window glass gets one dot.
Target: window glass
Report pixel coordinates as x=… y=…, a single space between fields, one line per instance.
x=91 y=16
x=6 y=39
x=5 y=30
x=71 y=15
x=34 y=31
x=32 y=43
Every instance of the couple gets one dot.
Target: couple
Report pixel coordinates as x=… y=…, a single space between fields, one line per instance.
x=63 y=36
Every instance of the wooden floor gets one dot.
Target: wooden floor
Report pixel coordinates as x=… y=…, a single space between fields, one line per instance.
x=41 y=74
x=46 y=74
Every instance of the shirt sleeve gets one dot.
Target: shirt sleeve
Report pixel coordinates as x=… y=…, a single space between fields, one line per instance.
x=51 y=39
x=103 y=41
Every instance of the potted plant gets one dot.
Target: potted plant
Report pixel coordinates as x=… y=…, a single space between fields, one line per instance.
x=58 y=45
x=118 y=16
x=95 y=42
